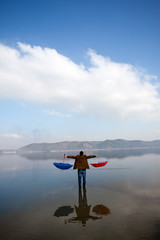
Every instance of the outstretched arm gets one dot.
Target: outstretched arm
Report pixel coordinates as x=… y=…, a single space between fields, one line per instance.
x=91 y=156
x=71 y=157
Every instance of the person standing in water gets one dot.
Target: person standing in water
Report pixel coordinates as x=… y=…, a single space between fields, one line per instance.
x=81 y=163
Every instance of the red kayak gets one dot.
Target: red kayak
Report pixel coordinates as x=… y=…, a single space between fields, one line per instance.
x=99 y=164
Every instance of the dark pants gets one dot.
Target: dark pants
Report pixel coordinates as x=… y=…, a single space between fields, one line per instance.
x=82 y=174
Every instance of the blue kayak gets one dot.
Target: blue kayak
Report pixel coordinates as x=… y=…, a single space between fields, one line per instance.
x=62 y=166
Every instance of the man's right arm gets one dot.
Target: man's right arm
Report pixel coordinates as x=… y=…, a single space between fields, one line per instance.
x=71 y=157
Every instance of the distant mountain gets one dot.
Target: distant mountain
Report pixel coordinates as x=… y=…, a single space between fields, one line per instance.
x=88 y=145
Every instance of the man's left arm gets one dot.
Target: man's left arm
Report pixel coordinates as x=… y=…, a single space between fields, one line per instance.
x=91 y=156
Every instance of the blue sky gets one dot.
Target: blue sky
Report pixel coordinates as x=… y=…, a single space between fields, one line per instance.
x=79 y=70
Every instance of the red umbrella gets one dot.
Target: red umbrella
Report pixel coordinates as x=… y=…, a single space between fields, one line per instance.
x=99 y=164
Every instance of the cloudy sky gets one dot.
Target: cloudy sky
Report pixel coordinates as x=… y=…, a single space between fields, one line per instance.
x=79 y=70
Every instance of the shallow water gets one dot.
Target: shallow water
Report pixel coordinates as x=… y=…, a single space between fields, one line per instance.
x=120 y=200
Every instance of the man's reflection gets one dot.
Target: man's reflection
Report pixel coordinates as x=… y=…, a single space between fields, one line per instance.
x=82 y=210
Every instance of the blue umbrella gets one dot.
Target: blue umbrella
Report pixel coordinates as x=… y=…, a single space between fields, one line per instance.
x=62 y=166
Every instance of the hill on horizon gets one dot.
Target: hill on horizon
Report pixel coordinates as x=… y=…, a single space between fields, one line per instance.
x=89 y=145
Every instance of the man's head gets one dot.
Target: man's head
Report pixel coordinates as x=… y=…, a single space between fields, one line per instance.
x=81 y=153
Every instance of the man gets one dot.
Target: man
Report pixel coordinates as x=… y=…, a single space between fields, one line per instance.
x=81 y=164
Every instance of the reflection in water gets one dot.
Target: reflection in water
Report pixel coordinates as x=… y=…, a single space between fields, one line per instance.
x=30 y=189
x=157 y=230
x=82 y=210
x=109 y=154
x=63 y=211
x=101 y=210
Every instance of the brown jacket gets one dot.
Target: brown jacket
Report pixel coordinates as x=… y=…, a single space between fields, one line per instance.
x=81 y=161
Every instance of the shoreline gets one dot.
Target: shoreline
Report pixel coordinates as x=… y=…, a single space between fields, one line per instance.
x=2 y=152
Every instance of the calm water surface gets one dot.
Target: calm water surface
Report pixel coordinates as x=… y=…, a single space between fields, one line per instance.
x=120 y=201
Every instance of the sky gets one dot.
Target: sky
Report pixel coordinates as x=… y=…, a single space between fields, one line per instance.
x=79 y=71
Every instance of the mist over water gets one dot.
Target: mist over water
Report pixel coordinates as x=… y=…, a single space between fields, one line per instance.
x=120 y=201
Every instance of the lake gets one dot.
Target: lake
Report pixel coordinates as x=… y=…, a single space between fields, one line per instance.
x=120 y=201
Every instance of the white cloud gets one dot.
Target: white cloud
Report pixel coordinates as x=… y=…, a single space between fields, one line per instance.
x=57 y=114
x=107 y=88
x=11 y=136
x=22 y=104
